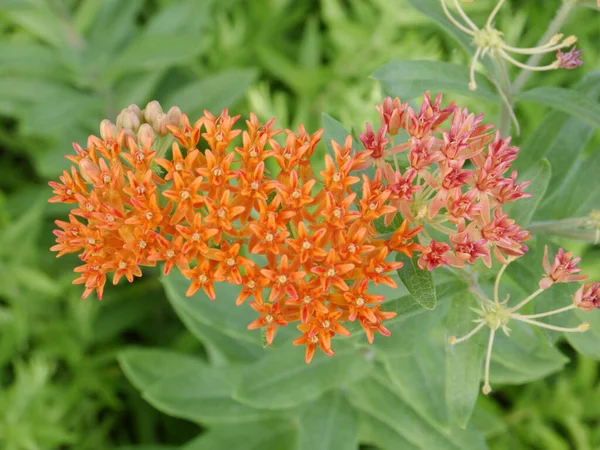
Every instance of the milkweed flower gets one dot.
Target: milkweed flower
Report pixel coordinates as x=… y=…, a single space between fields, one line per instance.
x=305 y=248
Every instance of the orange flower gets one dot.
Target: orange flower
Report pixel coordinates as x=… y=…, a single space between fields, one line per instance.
x=271 y=318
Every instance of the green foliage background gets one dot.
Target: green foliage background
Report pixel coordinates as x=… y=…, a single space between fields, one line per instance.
x=67 y=64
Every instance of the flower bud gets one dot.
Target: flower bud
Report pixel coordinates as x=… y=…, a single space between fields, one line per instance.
x=146 y=134
x=160 y=124
x=174 y=116
x=153 y=109
x=138 y=112
x=130 y=120
x=89 y=169
x=570 y=41
x=107 y=129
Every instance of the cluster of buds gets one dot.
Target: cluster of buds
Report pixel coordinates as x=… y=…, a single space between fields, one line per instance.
x=453 y=186
x=303 y=247
x=489 y=40
x=496 y=314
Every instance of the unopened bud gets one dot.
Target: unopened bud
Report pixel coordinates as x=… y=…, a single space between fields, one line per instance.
x=137 y=111
x=153 y=109
x=174 y=116
x=570 y=41
x=146 y=134
x=89 y=170
x=108 y=130
x=129 y=119
x=160 y=124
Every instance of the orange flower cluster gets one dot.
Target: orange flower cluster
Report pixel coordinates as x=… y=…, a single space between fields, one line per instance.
x=214 y=211
x=304 y=247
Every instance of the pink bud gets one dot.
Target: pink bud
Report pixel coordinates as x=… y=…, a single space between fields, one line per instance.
x=174 y=116
x=153 y=109
x=146 y=134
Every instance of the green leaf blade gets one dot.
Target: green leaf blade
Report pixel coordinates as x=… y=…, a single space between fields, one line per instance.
x=410 y=79
x=267 y=384
x=419 y=282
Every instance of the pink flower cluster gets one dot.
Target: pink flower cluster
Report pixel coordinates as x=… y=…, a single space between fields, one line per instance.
x=451 y=175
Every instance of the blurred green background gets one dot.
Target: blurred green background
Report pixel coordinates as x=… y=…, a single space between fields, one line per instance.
x=67 y=64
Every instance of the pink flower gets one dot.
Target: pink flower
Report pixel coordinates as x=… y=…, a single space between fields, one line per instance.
x=587 y=296
x=561 y=270
x=434 y=256
x=506 y=236
x=391 y=113
x=569 y=60
x=468 y=248
x=508 y=190
x=376 y=144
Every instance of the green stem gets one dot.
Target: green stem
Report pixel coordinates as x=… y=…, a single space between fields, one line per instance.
x=559 y=19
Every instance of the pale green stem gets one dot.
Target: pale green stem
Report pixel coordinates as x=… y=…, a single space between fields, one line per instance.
x=455 y=22
x=581 y=328
x=488 y=24
x=559 y=19
x=497 y=284
x=464 y=16
x=527 y=66
x=440 y=228
x=507 y=105
x=527 y=300
x=488 y=359
x=453 y=340
x=534 y=50
x=546 y=314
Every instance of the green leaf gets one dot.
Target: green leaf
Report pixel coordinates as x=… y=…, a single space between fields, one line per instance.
x=24 y=230
x=310 y=47
x=586 y=343
x=267 y=435
x=567 y=100
x=433 y=10
x=419 y=282
x=150 y=52
x=221 y=345
x=269 y=382
x=144 y=367
x=410 y=79
x=524 y=356
x=523 y=210
x=184 y=386
x=375 y=397
x=408 y=329
x=184 y=16
x=221 y=313
x=213 y=93
x=420 y=378
x=328 y=423
x=334 y=130
x=381 y=435
x=464 y=361
x=203 y=396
